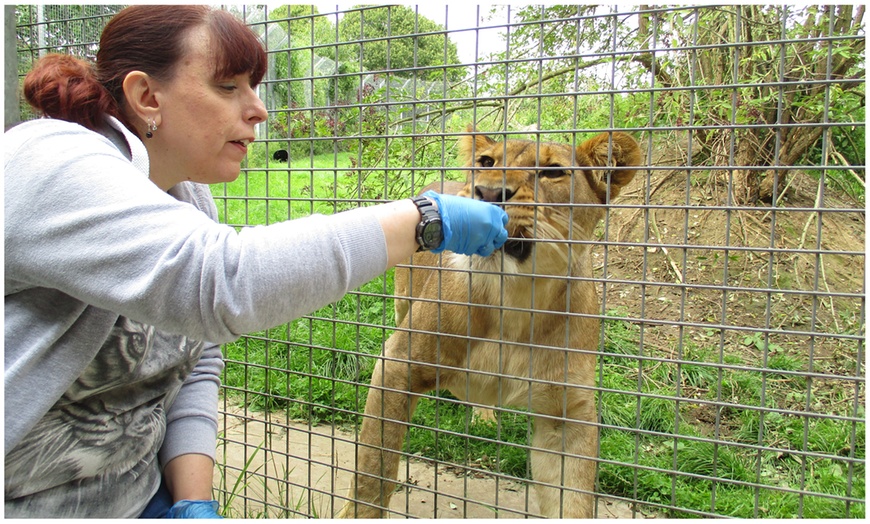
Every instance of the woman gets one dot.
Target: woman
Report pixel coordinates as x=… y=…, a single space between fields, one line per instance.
x=117 y=271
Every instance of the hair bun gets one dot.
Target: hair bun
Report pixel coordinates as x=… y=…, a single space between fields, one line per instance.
x=66 y=87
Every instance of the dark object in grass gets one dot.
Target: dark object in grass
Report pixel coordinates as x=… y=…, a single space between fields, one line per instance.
x=280 y=155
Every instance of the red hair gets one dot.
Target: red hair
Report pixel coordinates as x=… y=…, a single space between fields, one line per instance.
x=65 y=87
x=147 y=38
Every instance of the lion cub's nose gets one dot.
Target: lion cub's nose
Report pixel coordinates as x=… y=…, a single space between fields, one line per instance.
x=493 y=194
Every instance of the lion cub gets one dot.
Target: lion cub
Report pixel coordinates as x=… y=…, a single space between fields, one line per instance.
x=517 y=328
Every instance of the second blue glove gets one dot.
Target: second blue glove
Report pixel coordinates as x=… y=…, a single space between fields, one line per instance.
x=194 y=509
x=471 y=227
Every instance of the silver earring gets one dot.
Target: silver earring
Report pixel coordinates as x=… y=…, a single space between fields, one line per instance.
x=152 y=126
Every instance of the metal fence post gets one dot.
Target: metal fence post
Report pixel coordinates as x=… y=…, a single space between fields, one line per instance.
x=11 y=113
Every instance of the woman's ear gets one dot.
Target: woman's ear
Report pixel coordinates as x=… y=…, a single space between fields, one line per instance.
x=140 y=93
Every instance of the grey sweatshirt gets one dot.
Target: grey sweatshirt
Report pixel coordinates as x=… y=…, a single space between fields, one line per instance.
x=111 y=287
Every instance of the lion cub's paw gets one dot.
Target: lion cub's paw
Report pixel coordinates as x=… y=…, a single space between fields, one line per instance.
x=483 y=415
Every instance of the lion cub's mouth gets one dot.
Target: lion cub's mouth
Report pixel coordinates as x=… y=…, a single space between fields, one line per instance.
x=518 y=245
x=518 y=249
x=520 y=238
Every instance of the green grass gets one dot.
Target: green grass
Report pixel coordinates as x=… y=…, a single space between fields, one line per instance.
x=314 y=363
x=281 y=192
x=681 y=425
x=667 y=436
x=686 y=466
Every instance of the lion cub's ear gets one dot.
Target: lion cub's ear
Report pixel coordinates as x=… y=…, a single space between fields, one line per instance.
x=612 y=149
x=472 y=144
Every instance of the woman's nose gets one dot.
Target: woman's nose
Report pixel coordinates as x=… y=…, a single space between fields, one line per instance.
x=256 y=112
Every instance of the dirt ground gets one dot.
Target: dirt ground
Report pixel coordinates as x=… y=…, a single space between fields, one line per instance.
x=308 y=469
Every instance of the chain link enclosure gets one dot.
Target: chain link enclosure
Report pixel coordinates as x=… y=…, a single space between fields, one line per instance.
x=729 y=375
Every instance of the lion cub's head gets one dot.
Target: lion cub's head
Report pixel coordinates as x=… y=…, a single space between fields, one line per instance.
x=536 y=182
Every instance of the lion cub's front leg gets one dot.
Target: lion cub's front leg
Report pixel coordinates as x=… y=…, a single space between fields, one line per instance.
x=388 y=410
x=382 y=430
x=563 y=457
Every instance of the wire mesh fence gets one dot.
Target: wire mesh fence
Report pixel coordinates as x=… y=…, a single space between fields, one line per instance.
x=680 y=338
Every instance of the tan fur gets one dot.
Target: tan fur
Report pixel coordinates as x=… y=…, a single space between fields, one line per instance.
x=511 y=331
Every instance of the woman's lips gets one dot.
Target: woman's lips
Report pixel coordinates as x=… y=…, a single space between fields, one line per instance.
x=242 y=145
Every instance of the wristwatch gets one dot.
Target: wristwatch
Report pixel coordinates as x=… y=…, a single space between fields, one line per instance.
x=429 y=232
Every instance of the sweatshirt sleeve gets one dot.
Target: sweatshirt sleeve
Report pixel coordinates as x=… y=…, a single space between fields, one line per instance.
x=191 y=422
x=83 y=220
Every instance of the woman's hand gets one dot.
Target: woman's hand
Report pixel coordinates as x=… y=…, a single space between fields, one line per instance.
x=471 y=227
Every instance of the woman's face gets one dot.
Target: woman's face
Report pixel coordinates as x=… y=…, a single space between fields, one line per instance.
x=205 y=124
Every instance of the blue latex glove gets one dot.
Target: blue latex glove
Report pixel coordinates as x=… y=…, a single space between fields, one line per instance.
x=194 y=509
x=471 y=227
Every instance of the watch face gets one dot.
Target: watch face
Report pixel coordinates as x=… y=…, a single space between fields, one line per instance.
x=432 y=235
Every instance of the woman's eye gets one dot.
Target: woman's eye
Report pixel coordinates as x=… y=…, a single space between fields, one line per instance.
x=486 y=161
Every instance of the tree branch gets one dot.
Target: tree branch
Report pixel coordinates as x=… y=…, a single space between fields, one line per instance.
x=525 y=86
x=653 y=66
x=521 y=88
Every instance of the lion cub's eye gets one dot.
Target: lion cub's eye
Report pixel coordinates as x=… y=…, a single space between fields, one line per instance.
x=553 y=171
x=486 y=161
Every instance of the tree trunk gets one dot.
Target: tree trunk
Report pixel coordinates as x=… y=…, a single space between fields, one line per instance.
x=798 y=144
